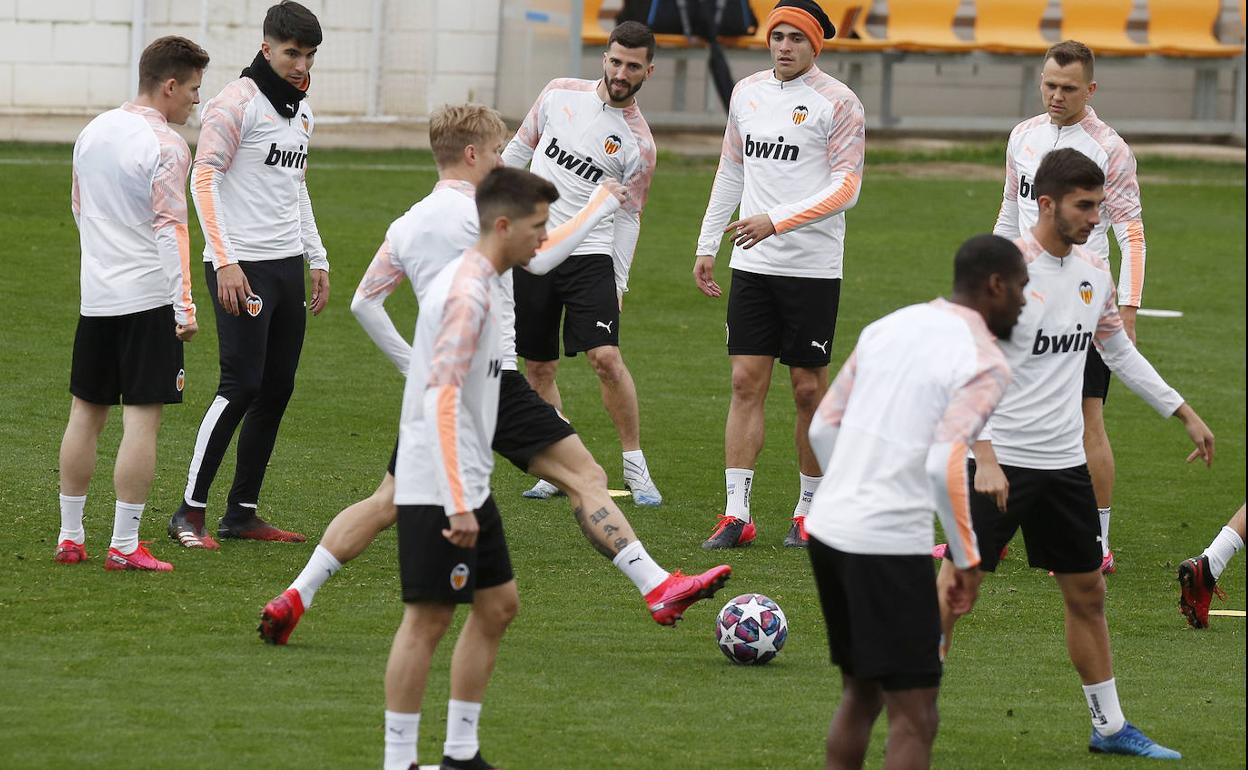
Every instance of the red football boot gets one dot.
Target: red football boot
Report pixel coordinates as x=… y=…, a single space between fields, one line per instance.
x=731 y=532
x=69 y=552
x=141 y=559
x=673 y=596
x=280 y=616
x=256 y=528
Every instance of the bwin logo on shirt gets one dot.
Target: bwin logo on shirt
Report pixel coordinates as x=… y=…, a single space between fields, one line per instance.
x=776 y=150
x=1026 y=187
x=1061 y=343
x=582 y=167
x=286 y=158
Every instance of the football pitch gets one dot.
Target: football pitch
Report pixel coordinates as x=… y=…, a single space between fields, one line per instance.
x=166 y=670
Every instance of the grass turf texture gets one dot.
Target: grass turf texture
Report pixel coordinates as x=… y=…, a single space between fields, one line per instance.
x=107 y=669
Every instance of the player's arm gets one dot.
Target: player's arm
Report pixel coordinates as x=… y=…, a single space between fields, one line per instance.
x=313 y=251
x=964 y=417
x=223 y=122
x=847 y=143
x=725 y=199
x=1007 y=218
x=173 y=240
x=383 y=276
x=446 y=418
x=628 y=219
x=519 y=151
x=1124 y=360
x=1123 y=209
x=826 y=423
x=563 y=240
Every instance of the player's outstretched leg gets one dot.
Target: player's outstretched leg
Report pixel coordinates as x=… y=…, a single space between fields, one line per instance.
x=667 y=595
x=1198 y=576
x=346 y=537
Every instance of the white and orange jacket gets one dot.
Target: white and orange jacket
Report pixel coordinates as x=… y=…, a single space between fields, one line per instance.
x=893 y=431
x=450 y=402
x=432 y=233
x=1070 y=305
x=575 y=140
x=793 y=150
x=129 y=200
x=1030 y=141
x=249 y=180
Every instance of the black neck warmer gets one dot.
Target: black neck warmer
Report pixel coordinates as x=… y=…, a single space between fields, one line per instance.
x=281 y=94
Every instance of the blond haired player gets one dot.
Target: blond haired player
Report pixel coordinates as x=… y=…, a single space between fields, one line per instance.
x=792 y=164
x=129 y=201
x=467 y=140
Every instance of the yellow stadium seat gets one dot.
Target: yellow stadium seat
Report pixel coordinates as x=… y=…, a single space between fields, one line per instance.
x=1010 y=26
x=1185 y=28
x=1102 y=26
x=592 y=32
x=850 y=19
x=924 y=25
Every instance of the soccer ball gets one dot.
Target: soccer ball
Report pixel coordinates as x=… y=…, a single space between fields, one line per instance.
x=751 y=629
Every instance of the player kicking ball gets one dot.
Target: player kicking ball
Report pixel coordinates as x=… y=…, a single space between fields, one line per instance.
x=466 y=141
x=1032 y=473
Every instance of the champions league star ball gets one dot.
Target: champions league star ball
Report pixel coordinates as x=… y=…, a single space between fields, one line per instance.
x=751 y=629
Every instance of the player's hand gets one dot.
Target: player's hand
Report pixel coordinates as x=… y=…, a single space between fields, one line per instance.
x=704 y=276
x=320 y=290
x=463 y=531
x=990 y=480
x=1128 y=320
x=232 y=288
x=1198 y=432
x=749 y=231
x=184 y=332
x=963 y=591
x=614 y=187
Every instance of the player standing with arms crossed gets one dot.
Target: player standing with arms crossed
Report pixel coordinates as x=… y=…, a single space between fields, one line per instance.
x=467 y=141
x=1066 y=87
x=1029 y=470
x=792 y=164
x=891 y=436
x=577 y=133
x=252 y=199
x=129 y=202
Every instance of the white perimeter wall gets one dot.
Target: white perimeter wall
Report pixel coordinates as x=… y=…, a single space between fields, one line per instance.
x=74 y=56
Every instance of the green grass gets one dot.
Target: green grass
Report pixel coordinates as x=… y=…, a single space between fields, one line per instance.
x=112 y=670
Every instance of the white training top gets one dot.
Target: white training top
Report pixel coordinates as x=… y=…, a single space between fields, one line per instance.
x=249 y=180
x=575 y=140
x=450 y=402
x=1070 y=305
x=129 y=200
x=893 y=431
x=1030 y=141
x=432 y=233
x=793 y=150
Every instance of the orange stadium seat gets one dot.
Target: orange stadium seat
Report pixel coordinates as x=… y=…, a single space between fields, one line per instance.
x=1186 y=28
x=850 y=18
x=1010 y=26
x=1102 y=26
x=925 y=25
x=592 y=31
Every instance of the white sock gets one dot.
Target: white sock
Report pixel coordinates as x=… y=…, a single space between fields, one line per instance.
x=71 y=519
x=1102 y=698
x=1104 y=512
x=461 y=729
x=738 y=482
x=808 y=485
x=320 y=567
x=635 y=468
x=546 y=488
x=401 y=733
x=126 y=518
x=640 y=568
x=1224 y=546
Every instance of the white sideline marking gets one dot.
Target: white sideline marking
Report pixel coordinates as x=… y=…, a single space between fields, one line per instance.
x=1228 y=613
x=618 y=492
x=1148 y=311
